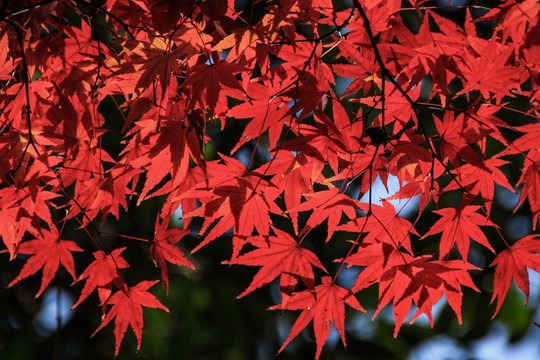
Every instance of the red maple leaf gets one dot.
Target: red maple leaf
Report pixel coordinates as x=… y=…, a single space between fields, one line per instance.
x=328 y=204
x=126 y=309
x=530 y=178
x=207 y=82
x=279 y=255
x=266 y=111
x=383 y=225
x=457 y=226
x=480 y=180
x=101 y=273
x=162 y=248
x=94 y=112
x=422 y=283
x=47 y=251
x=488 y=72
x=513 y=263
x=324 y=305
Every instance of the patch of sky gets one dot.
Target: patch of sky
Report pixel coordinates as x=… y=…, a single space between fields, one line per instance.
x=263 y=153
x=440 y=347
x=243 y=155
x=534 y=291
x=404 y=207
x=518 y=227
x=176 y=218
x=56 y=305
x=423 y=320
x=177 y=221
x=386 y=315
x=426 y=85
x=451 y=5
x=495 y=346
x=361 y=327
x=224 y=53
x=284 y=325
x=275 y=61
x=347 y=276
x=275 y=291
x=506 y=198
x=477 y=258
x=332 y=339
x=341 y=85
x=291 y=103
x=345 y=31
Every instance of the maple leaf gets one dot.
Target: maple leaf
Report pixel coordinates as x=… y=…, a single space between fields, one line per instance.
x=383 y=224
x=162 y=248
x=127 y=310
x=206 y=82
x=156 y=59
x=111 y=194
x=279 y=255
x=488 y=72
x=240 y=198
x=266 y=112
x=169 y=152
x=513 y=263
x=327 y=204
x=457 y=226
x=101 y=273
x=453 y=141
x=296 y=178
x=530 y=178
x=480 y=180
x=311 y=94
x=423 y=283
x=410 y=159
x=324 y=305
x=48 y=252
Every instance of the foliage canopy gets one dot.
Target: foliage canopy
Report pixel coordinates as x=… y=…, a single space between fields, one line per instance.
x=448 y=105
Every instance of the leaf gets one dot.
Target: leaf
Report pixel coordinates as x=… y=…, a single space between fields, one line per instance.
x=422 y=283
x=480 y=180
x=488 y=72
x=327 y=204
x=266 y=112
x=530 y=178
x=105 y=108
x=162 y=249
x=207 y=82
x=48 y=252
x=278 y=255
x=126 y=310
x=457 y=226
x=324 y=305
x=512 y=263
x=101 y=273
x=383 y=225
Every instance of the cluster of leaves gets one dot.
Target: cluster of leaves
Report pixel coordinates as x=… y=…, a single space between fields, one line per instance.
x=178 y=69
